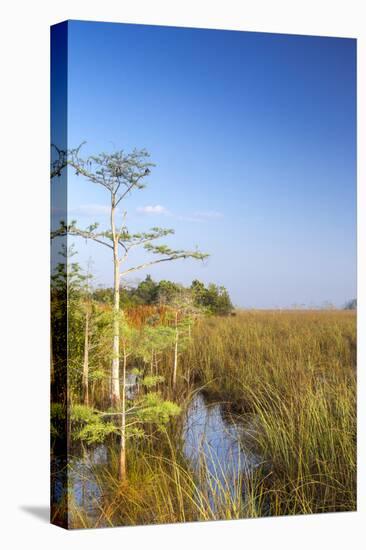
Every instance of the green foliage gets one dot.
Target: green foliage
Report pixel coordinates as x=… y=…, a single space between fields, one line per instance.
x=135 y=371
x=115 y=170
x=89 y=426
x=54 y=431
x=151 y=381
x=129 y=334
x=155 y=410
x=153 y=339
x=96 y=375
x=133 y=432
x=58 y=411
x=58 y=417
x=95 y=432
x=215 y=299
x=167 y=290
x=82 y=413
x=146 y=292
x=103 y=295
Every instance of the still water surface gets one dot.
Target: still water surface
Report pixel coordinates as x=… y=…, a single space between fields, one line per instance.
x=211 y=439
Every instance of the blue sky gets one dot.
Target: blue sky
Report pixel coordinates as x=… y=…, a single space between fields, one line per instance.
x=254 y=140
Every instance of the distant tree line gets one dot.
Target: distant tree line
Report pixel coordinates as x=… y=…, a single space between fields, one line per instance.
x=214 y=299
x=351 y=304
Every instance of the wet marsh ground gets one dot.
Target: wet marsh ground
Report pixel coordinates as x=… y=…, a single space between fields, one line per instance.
x=267 y=427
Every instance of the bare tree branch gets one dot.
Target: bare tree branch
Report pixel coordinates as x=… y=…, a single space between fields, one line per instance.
x=88 y=233
x=178 y=256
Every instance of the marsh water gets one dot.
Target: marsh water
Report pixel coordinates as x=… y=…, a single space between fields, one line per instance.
x=213 y=441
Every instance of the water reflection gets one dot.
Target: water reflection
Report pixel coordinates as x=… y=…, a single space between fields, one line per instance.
x=85 y=489
x=212 y=442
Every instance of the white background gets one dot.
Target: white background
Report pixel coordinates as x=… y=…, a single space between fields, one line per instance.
x=24 y=221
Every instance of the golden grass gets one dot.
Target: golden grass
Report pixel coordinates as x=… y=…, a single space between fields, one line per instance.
x=295 y=372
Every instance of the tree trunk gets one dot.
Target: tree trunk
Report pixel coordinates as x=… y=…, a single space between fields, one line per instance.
x=175 y=351
x=52 y=361
x=122 y=473
x=85 y=380
x=156 y=364
x=93 y=393
x=53 y=386
x=115 y=390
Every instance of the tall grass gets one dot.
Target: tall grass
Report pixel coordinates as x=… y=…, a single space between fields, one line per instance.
x=295 y=373
x=162 y=488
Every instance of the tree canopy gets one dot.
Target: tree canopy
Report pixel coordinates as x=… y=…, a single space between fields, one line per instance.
x=214 y=299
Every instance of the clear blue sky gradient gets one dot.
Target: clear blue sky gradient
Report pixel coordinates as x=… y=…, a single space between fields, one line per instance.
x=254 y=140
